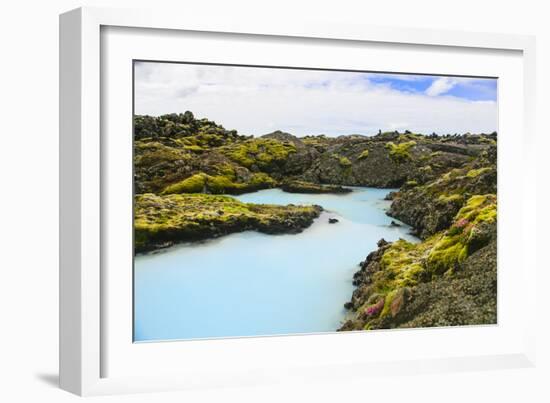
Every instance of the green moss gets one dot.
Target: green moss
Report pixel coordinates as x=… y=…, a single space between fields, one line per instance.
x=220 y=184
x=453 y=246
x=426 y=169
x=193 y=184
x=401 y=264
x=400 y=152
x=260 y=152
x=197 y=216
x=479 y=208
x=476 y=172
x=447 y=252
x=344 y=162
x=452 y=174
x=452 y=198
x=364 y=154
x=263 y=180
x=194 y=148
x=148 y=153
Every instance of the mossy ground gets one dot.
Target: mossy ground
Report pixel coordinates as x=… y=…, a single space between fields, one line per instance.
x=164 y=220
x=262 y=153
x=364 y=154
x=390 y=279
x=297 y=186
x=220 y=184
x=400 y=152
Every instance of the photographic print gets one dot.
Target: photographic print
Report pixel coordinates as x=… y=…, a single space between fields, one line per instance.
x=277 y=201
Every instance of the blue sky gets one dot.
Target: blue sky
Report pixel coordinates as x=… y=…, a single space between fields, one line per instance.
x=257 y=100
x=467 y=88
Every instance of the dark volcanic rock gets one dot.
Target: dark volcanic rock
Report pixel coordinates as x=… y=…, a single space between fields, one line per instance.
x=308 y=187
x=431 y=207
x=468 y=298
x=283 y=136
x=162 y=221
x=465 y=295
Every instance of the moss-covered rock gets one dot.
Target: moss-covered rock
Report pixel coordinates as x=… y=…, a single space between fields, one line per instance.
x=266 y=154
x=364 y=154
x=161 y=221
x=297 y=186
x=172 y=148
x=432 y=206
x=220 y=184
x=400 y=152
x=397 y=272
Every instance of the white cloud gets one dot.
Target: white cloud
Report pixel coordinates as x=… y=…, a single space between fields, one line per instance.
x=441 y=86
x=260 y=100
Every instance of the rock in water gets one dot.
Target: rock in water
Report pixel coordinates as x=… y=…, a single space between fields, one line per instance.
x=332 y=220
x=381 y=242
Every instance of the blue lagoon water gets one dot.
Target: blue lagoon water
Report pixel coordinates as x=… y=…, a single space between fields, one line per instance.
x=252 y=284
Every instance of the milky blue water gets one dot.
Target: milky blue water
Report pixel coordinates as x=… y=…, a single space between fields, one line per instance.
x=252 y=284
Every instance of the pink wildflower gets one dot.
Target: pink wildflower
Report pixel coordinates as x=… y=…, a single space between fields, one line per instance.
x=462 y=223
x=376 y=308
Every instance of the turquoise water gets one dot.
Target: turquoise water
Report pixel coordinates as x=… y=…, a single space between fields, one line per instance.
x=251 y=284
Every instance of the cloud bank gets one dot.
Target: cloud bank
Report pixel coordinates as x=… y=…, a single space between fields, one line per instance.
x=260 y=100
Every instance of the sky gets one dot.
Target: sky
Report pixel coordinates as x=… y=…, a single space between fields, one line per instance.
x=259 y=100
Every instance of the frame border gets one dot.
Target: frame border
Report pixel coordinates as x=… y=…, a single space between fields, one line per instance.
x=80 y=306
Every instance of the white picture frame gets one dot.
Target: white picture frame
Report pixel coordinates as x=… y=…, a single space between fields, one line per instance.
x=83 y=307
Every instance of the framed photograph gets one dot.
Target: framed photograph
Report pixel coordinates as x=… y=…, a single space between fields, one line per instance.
x=245 y=203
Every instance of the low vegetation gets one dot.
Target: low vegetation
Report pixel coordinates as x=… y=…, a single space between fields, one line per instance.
x=220 y=184
x=400 y=152
x=297 y=186
x=264 y=154
x=161 y=221
x=364 y=154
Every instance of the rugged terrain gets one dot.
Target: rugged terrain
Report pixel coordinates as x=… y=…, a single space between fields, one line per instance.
x=160 y=221
x=447 y=192
x=449 y=278
x=180 y=154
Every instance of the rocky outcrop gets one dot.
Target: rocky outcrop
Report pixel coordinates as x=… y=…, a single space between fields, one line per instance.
x=171 y=148
x=448 y=279
x=162 y=221
x=431 y=207
x=295 y=186
x=466 y=298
